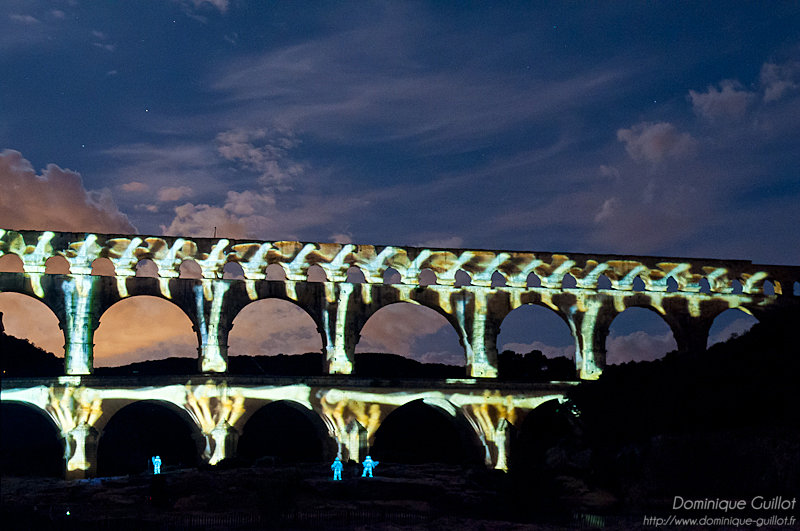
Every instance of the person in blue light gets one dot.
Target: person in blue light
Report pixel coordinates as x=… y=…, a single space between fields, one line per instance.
x=369 y=464
x=337 y=469
x=156 y=459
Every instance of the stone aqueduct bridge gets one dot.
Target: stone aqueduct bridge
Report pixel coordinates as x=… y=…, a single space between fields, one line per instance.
x=586 y=291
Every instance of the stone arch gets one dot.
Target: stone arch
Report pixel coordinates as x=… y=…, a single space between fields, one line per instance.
x=704 y=286
x=355 y=275
x=535 y=326
x=639 y=284
x=427 y=277
x=316 y=273
x=286 y=314
x=28 y=317
x=796 y=289
x=768 y=288
x=190 y=269
x=142 y=429
x=542 y=439
x=499 y=280
x=276 y=271
x=143 y=324
x=103 y=267
x=533 y=280
x=728 y=323
x=232 y=271
x=636 y=340
x=380 y=333
x=462 y=278
x=392 y=276
x=56 y=265
x=285 y=430
x=30 y=441
x=603 y=282
x=672 y=285
x=11 y=263
x=568 y=282
x=146 y=268
x=422 y=431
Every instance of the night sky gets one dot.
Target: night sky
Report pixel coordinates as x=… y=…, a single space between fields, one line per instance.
x=634 y=128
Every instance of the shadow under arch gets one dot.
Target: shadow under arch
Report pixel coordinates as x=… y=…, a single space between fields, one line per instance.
x=285 y=431
x=402 y=327
x=728 y=324
x=142 y=429
x=542 y=440
x=535 y=342
x=144 y=328
x=29 y=318
x=639 y=333
x=30 y=442
x=422 y=431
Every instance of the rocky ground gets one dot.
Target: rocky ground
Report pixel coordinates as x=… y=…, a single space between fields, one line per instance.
x=298 y=497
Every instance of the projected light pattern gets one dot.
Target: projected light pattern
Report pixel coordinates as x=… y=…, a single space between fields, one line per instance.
x=340 y=309
x=220 y=409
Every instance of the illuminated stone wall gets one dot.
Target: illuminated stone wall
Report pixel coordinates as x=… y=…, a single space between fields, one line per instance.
x=81 y=407
x=701 y=290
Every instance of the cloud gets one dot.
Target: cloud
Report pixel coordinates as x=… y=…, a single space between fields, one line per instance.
x=395 y=329
x=610 y=205
x=174 y=193
x=221 y=5
x=654 y=142
x=638 y=346
x=54 y=200
x=143 y=328
x=777 y=80
x=266 y=154
x=134 y=186
x=23 y=19
x=729 y=102
x=273 y=327
x=57 y=13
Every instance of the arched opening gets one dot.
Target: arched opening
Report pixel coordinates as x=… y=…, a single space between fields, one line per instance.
x=391 y=276
x=31 y=337
x=427 y=277
x=11 y=263
x=146 y=329
x=103 y=267
x=603 y=282
x=462 y=278
x=141 y=430
x=533 y=281
x=274 y=336
x=190 y=269
x=498 y=280
x=638 y=334
x=705 y=287
x=30 y=442
x=568 y=282
x=672 y=285
x=276 y=272
x=56 y=265
x=535 y=343
x=638 y=284
x=544 y=443
x=404 y=340
x=315 y=273
x=284 y=431
x=796 y=289
x=737 y=286
x=418 y=433
x=769 y=288
x=355 y=275
x=146 y=268
x=729 y=324
x=232 y=271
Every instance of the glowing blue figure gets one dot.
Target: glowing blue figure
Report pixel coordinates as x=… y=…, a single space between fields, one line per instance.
x=369 y=464
x=156 y=464
x=337 y=469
